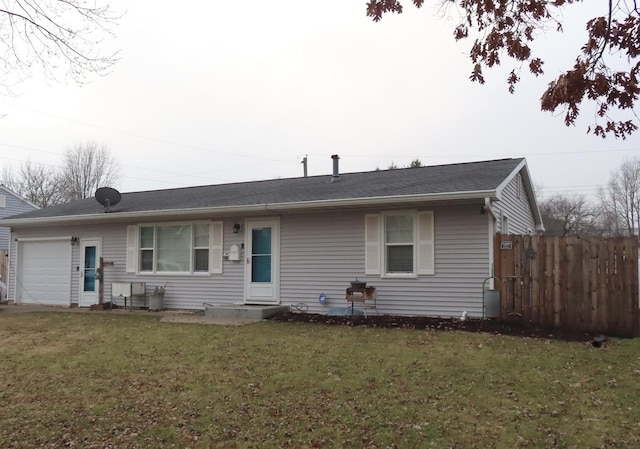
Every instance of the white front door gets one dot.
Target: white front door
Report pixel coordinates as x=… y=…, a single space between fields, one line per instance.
x=90 y=253
x=262 y=272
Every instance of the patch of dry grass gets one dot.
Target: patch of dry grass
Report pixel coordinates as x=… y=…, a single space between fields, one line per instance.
x=85 y=380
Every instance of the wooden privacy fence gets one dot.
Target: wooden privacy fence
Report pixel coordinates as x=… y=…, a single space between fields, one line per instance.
x=577 y=283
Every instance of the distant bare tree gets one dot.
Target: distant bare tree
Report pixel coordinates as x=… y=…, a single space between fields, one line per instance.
x=40 y=185
x=86 y=167
x=415 y=163
x=568 y=215
x=59 y=36
x=621 y=198
x=538 y=189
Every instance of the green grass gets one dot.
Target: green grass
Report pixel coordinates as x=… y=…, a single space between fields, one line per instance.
x=100 y=380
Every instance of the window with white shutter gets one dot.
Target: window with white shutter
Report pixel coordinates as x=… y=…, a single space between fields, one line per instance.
x=400 y=244
x=175 y=248
x=372 y=244
x=426 y=247
x=216 y=246
x=132 y=249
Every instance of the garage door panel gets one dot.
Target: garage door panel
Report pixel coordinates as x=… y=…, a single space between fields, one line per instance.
x=45 y=273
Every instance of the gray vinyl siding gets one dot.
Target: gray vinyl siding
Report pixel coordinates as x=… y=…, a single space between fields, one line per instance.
x=322 y=253
x=319 y=253
x=13 y=205
x=182 y=291
x=515 y=205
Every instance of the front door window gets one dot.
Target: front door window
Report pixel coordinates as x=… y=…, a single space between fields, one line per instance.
x=90 y=269
x=261 y=254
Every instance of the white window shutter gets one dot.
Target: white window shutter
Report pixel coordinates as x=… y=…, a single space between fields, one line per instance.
x=426 y=247
x=215 y=251
x=372 y=244
x=132 y=249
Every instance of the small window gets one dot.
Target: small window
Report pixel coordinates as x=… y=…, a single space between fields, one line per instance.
x=201 y=247
x=147 y=243
x=400 y=244
x=505 y=224
x=399 y=241
x=3 y=201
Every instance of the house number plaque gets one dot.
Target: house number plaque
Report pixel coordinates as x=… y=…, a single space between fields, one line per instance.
x=506 y=244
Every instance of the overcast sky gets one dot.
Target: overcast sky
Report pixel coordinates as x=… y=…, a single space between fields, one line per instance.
x=215 y=92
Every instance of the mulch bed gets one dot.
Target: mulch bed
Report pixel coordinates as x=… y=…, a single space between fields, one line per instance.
x=515 y=327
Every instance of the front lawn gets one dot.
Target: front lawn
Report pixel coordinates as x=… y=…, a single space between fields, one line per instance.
x=101 y=380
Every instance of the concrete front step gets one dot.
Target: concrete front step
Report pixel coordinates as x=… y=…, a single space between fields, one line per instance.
x=243 y=312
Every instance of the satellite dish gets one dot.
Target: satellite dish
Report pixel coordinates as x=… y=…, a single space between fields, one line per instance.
x=108 y=197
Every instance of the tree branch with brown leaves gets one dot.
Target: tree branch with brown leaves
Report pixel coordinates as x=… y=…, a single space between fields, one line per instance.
x=511 y=26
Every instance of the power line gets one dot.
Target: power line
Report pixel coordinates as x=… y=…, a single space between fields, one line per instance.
x=154 y=139
x=500 y=155
x=200 y=175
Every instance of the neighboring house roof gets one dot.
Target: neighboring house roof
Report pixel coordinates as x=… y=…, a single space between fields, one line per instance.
x=26 y=203
x=472 y=180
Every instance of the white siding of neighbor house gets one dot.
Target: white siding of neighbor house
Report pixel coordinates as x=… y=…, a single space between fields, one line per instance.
x=320 y=253
x=515 y=205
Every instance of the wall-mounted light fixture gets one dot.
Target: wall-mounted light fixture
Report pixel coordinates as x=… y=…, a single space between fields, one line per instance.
x=236 y=228
x=74 y=240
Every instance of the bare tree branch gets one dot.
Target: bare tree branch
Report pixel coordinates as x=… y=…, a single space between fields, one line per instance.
x=58 y=36
x=621 y=197
x=568 y=215
x=40 y=185
x=87 y=167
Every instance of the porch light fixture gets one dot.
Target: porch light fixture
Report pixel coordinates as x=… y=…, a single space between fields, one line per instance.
x=74 y=240
x=236 y=228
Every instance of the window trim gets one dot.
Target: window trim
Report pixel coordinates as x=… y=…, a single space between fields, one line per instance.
x=384 y=244
x=192 y=248
x=424 y=244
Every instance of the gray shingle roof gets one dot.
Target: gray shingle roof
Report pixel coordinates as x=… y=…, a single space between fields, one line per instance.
x=439 y=179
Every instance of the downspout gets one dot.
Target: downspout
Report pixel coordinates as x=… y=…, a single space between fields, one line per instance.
x=491 y=217
x=7 y=281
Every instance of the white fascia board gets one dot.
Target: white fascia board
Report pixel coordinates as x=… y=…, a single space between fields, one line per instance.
x=523 y=168
x=508 y=179
x=114 y=217
x=18 y=197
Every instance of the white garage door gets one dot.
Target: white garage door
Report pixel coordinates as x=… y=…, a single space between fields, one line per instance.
x=44 y=275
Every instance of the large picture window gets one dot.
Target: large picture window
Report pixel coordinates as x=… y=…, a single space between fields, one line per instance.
x=174 y=248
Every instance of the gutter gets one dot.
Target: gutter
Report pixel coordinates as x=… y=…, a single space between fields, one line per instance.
x=489 y=208
x=113 y=217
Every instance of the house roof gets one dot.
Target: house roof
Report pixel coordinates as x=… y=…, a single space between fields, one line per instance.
x=8 y=191
x=441 y=182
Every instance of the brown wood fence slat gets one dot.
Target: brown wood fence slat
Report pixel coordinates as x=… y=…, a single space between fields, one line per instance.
x=577 y=283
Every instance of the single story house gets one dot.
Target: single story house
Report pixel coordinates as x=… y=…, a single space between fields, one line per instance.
x=424 y=237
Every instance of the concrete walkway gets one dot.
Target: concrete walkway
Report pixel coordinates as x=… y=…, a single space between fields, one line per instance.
x=166 y=316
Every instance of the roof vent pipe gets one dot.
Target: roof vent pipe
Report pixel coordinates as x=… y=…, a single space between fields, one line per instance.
x=336 y=171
